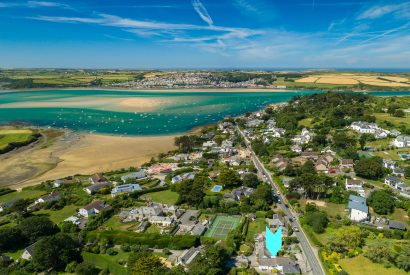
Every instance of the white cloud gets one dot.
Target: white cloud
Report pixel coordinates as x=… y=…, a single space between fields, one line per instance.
x=202 y=12
x=374 y=12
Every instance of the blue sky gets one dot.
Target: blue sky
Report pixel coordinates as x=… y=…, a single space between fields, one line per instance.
x=205 y=34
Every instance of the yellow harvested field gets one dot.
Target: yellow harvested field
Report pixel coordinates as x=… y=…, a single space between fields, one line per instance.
x=385 y=83
x=396 y=78
x=337 y=80
x=354 y=79
x=309 y=79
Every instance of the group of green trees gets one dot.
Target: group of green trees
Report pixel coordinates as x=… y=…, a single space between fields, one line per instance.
x=389 y=252
x=314 y=185
x=315 y=218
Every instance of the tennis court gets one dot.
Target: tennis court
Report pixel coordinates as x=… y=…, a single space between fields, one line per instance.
x=221 y=226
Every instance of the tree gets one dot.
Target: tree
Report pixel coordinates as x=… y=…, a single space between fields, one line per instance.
x=35 y=227
x=213 y=261
x=229 y=178
x=250 y=180
x=10 y=238
x=187 y=143
x=55 y=252
x=317 y=220
x=342 y=141
x=407 y=172
x=369 y=168
x=192 y=191
x=263 y=193
x=403 y=258
x=260 y=148
x=379 y=251
x=86 y=268
x=345 y=238
x=144 y=263
x=382 y=202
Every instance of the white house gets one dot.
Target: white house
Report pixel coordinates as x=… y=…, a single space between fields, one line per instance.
x=125 y=188
x=358 y=210
x=389 y=164
x=93 y=208
x=355 y=185
x=48 y=198
x=161 y=220
x=28 y=252
x=188 y=256
x=402 y=141
x=134 y=176
x=394 y=182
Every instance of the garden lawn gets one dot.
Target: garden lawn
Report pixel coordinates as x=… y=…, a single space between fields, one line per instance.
x=106 y=261
x=15 y=255
x=58 y=216
x=166 y=196
x=389 y=154
x=24 y=194
x=360 y=265
x=114 y=223
x=255 y=227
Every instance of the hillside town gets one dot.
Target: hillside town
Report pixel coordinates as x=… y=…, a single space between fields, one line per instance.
x=266 y=192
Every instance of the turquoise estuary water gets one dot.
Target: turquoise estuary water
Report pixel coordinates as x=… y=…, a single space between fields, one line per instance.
x=177 y=113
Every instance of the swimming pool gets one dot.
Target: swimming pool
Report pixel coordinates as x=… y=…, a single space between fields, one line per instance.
x=216 y=188
x=404 y=156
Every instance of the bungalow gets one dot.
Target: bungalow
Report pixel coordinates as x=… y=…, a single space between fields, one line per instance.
x=402 y=141
x=209 y=144
x=399 y=172
x=97 y=187
x=198 y=230
x=393 y=182
x=284 y=265
x=358 y=210
x=389 y=164
x=134 y=176
x=280 y=162
x=73 y=219
x=98 y=178
x=125 y=188
x=181 y=157
x=239 y=193
x=93 y=208
x=296 y=148
x=48 y=198
x=28 y=252
x=346 y=163
x=161 y=220
x=355 y=185
x=364 y=127
x=397 y=225
x=6 y=205
x=188 y=256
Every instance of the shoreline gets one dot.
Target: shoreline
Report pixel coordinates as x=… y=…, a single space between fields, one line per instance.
x=156 y=90
x=197 y=90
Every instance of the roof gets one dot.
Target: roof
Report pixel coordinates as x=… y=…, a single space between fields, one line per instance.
x=30 y=248
x=98 y=178
x=99 y=205
x=99 y=186
x=134 y=175
x=289 y=266
x=189 y=255
x=397 y=225
x=358 y=203
x=393 y=179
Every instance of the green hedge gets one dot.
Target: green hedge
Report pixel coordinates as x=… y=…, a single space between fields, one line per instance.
x=152 y=240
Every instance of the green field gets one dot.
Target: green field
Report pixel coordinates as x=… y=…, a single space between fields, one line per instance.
x=397 y=121
x=58 y=216
x=106 y=261
x=24 y=194
x=166 y=196
x=255 y=227
x=221 y=226
x=8 y=136
x=360 y=265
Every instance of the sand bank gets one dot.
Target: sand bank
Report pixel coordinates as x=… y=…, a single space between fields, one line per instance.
x=75 y=154
x=119 y=104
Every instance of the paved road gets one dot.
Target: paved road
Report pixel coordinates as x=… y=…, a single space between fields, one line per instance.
x=312 y=258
